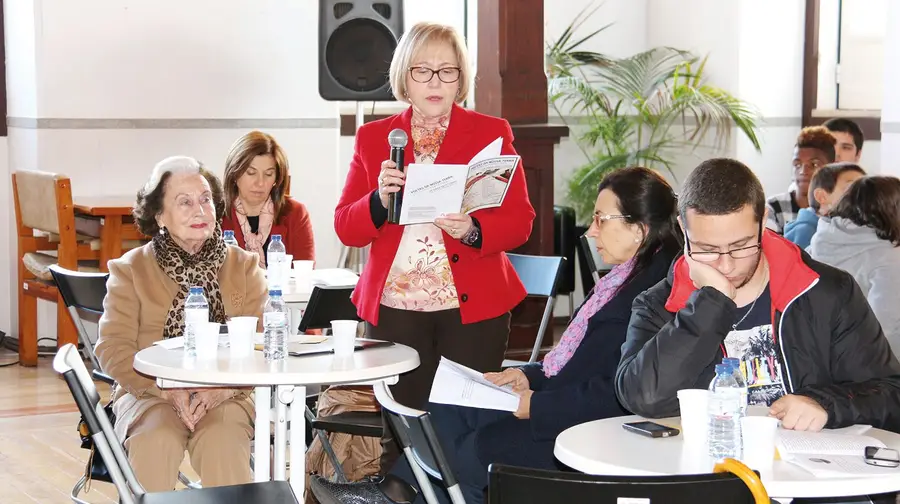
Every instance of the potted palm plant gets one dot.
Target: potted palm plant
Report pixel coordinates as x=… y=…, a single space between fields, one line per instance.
x=639 y=110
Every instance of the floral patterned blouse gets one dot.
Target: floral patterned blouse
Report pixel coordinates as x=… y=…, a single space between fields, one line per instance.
x=420 y=277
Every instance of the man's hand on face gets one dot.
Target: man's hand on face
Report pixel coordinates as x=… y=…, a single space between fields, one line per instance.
x=705 y=275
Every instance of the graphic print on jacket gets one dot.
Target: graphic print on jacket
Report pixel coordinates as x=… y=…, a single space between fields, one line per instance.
x=753 y=343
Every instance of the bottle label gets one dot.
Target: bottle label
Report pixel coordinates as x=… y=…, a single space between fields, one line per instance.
x=271 y=319
x=194 y=316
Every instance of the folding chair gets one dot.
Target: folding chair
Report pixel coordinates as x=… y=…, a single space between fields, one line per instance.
x=540 y=275
x=517 y=485
x=69 y=364
x=83 y=295
x=420 y=445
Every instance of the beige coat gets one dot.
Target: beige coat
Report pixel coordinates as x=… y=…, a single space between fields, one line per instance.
x=139 y=294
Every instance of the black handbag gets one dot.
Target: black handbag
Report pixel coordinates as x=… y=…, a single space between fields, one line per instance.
x=96 y=468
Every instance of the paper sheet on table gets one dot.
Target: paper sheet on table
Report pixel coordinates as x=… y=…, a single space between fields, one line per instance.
x=334 y=277
x=462 y=386
x=834 y=454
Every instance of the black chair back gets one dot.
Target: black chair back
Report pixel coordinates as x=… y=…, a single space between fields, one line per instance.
x=83 y=295
x=81 y=290
x=517 y=485
x=564 y=244
x=325 y=304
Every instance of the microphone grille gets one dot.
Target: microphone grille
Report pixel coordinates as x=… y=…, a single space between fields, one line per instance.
x=397 y=138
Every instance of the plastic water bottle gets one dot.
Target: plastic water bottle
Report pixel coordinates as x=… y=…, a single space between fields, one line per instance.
x=228 y=237
x=724 y=439
x=735 y=365
x=275 y=322
x=276 y=255
x=196 y=311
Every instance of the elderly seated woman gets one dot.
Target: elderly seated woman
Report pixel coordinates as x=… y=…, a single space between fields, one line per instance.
x=635 y=228
x=180 y=207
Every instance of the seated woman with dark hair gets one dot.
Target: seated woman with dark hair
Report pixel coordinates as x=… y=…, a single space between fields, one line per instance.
x=635 y=228
x=862 y=236
x=256 y=202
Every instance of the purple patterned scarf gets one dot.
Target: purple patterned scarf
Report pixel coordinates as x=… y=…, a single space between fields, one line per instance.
x=571 y=338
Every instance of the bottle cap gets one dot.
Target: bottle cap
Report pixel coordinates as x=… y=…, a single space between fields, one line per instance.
x=276 y=237
x=723 y=369
x=275 y=292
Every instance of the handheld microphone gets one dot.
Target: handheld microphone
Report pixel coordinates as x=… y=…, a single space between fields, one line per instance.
x=397 y=140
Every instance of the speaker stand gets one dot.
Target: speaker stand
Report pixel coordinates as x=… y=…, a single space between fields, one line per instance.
x=353 y=258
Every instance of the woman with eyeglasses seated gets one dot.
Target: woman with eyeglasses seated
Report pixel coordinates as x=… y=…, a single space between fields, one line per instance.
x=636 y=229
x=444 y=288
x=180 y=207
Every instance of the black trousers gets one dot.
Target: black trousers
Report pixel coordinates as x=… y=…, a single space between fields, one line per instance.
x=480 y=346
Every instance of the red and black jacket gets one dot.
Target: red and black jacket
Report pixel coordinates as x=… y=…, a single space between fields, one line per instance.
x=831 y=346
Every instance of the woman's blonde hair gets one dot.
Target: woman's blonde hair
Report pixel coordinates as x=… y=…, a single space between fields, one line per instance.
x=241 y=154
x=418 y=37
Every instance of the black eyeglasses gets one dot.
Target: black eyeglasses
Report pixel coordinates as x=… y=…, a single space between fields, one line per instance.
x=447 y=75
x=738 y=253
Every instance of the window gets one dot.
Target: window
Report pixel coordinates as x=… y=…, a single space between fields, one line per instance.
x=843 y=70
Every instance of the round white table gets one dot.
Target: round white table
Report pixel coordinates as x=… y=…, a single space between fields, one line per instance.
x=603 y=447
x=290 y=378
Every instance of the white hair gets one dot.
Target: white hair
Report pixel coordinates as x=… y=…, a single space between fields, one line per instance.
x=173 y=165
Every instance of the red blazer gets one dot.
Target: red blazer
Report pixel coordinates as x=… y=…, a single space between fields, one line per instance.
x=486 y=283
x=295 y=229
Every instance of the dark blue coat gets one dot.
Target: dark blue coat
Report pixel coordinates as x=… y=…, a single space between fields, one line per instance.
x=584 y=389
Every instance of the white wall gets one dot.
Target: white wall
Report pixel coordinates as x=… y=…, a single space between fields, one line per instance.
x=101 y=91
x=890 y=111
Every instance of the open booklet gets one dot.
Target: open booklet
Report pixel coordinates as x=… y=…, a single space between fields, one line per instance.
x=462 y=386
x=433 y=190
x=831 y=454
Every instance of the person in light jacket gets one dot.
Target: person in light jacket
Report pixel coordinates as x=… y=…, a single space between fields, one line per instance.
x=180 y=207
x=862 y=237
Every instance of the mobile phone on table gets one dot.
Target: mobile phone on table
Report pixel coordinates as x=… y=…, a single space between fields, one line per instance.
x=882 y=457
x=651 y=429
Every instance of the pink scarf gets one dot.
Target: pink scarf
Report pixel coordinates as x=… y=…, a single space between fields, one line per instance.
x=571 y=338
x=253 y=242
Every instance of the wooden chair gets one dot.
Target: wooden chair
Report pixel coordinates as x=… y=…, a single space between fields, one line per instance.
x=47 y=234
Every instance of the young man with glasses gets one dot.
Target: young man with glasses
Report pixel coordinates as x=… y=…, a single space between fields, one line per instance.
x=810 y=346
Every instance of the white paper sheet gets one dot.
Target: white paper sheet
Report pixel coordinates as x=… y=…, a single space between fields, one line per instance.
x=831 y=454
x=462 y=386
x=431 y=191
x=490 y=150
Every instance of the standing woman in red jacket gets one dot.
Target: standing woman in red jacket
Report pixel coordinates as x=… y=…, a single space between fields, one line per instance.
x=447 y=288
x=256 y=202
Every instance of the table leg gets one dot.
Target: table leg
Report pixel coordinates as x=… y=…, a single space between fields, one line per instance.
x=261 y=443
x=110 y=241
x=298 y=441
x=284 y=396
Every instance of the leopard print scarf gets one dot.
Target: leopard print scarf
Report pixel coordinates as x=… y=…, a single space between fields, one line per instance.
x=188 y=270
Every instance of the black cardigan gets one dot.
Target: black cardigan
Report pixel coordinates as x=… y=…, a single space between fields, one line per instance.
x=585 y=388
